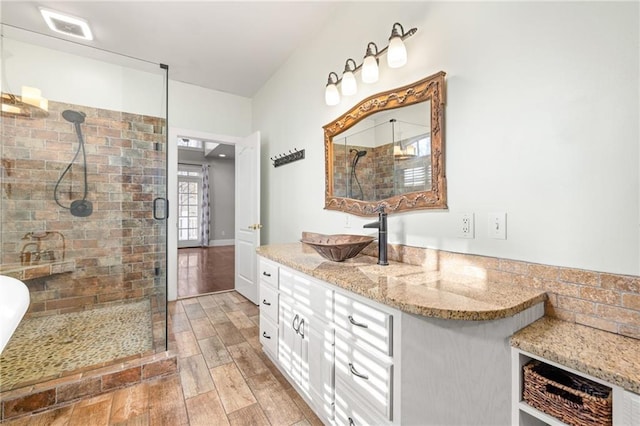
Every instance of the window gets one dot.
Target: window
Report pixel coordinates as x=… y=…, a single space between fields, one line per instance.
x=189 y=143
x=414 y=176
x=189 y=199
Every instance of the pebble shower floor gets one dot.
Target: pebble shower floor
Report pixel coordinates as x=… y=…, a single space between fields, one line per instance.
x=48 y=347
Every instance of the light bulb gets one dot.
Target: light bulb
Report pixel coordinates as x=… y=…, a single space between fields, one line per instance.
x=397 y=53
x=370 y=69
x=331 y=95
x=349 y=85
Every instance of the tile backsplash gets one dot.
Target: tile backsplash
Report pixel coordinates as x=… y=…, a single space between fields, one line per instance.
x=600 y=300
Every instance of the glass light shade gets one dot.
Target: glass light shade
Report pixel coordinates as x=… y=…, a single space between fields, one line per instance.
x=331 y=95
x=397 y=53
x=349 y=85
x=370 y=69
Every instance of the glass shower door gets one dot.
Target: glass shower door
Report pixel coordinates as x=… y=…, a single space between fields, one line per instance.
x=82 y=189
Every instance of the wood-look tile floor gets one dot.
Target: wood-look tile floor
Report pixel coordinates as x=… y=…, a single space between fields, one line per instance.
x=224 y=379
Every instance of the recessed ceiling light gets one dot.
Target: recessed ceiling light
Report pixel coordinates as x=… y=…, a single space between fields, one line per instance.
x=65 y=24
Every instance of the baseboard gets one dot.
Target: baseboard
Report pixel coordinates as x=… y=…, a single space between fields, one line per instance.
x=216 y=243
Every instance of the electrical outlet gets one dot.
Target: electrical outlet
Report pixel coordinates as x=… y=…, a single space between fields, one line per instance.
x=465 y=225
x=497 y=225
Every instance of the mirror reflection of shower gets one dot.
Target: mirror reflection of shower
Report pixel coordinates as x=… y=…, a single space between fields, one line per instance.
x=357 y=155
x=82 y=207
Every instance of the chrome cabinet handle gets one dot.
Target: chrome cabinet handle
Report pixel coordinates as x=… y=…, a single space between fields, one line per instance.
x=266 y=274
x=355 y=372
x=264 y=302
x=356 y=323
x=301 y=326
x=265 y=335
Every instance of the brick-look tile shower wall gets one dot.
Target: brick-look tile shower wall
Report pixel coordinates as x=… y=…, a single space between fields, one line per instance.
x=374 y=172
x=609 y=302
x=116 y=248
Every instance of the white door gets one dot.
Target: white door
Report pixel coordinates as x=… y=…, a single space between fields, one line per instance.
x=247 y=215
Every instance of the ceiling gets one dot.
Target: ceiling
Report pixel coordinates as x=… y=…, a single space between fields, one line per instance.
x=231 y=46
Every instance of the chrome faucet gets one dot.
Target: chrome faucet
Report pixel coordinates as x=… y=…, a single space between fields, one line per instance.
x=381 y=224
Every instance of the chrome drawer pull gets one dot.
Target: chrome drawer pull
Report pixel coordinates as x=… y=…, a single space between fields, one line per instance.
x=266 y=274
x=265 y=335
x=356 y=323
x=264 y=302
x=355 y=372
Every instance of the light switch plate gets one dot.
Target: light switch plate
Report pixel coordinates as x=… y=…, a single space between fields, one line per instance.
x=497 y=225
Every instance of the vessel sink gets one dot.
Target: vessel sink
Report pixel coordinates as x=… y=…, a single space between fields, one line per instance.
x=337 y=247
x=14 y=302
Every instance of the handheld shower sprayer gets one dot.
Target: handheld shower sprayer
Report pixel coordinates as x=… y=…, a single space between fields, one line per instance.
x=83 y=207
x=354 y=177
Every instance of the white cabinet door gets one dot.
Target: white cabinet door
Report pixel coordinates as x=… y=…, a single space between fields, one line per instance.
x=287 y=336
x=319 y=338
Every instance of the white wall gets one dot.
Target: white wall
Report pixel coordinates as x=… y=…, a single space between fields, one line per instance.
x=541 y=122
x=137 y=87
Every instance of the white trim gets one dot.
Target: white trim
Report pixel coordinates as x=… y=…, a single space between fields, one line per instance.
x=218 y=243
x=172 y=191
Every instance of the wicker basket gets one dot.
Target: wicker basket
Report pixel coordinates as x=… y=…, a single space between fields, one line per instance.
x=570 y=398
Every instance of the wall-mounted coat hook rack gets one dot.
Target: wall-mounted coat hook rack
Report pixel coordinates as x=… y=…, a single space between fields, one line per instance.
x=284 y=158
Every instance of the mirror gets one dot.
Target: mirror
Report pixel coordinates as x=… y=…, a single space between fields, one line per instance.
x=388 y=151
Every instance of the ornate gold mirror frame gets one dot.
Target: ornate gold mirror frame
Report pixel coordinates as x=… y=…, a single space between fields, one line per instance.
x=428 y=89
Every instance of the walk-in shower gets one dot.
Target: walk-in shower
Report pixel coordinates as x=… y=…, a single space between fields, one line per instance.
x=77 y=187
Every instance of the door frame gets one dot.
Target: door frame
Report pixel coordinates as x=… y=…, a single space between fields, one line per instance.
x=172 y=191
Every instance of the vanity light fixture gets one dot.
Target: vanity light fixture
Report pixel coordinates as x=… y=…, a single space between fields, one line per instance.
x=331 y=94
x=370 y=72
x=66 y=24
x=396 y=58
x=349 y=86
x=397 y=55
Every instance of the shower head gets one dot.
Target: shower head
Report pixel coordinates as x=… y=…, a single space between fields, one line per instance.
x=75 y=117
x=358 y=153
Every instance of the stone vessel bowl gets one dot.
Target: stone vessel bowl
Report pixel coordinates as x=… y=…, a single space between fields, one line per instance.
x=338 y=247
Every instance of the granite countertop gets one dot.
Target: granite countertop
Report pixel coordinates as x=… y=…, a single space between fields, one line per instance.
x=611 y=357
x=410 y=288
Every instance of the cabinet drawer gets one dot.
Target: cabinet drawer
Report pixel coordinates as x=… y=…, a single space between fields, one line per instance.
x=311 y=298
x=366 y=323
x=351 y=411
x=268 y=303
x=268 y=272
x=370 y=377
x=269 y=336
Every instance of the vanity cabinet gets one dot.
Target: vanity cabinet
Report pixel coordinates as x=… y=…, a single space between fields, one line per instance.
x=296 y=331
x=364 y=361
x=357 y=361
x=269 y=302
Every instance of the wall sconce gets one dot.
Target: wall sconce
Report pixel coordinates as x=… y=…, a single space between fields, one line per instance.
x=396 y=58
x=30 y=104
